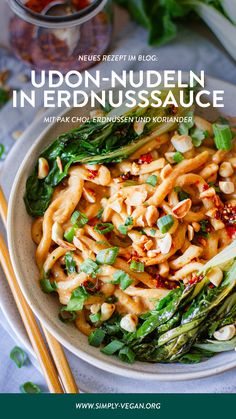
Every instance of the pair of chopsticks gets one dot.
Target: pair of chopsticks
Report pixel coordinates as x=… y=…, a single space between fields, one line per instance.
x=54 y=365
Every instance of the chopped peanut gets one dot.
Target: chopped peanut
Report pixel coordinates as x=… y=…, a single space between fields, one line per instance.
x=43 y=168
x=226 y=187
x=182 y=208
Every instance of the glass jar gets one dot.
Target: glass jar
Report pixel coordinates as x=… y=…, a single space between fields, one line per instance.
x=60 y=35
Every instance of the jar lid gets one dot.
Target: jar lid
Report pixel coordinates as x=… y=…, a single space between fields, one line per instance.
x=54 y=21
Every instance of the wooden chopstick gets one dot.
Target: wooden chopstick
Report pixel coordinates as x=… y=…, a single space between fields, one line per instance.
x=30 y=324
x=37 y=341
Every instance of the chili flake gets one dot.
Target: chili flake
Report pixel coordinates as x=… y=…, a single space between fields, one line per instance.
x=195 y=279
x=164 y=283
x=92 y=174
x=227 y=214
x=145 y=158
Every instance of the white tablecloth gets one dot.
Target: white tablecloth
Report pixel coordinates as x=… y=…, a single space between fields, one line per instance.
x=189 y=51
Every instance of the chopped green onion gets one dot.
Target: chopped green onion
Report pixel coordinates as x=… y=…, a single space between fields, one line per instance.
x=223 y=136
x=205 y=228
x=30 y=387
x=182 y=195
x=123 y=229
x=103 y=242
x=79 y=219
x=184 y=127
x=99 y=214
x=122 y=278
x=153 y=232
x=4 y=96
x=197 y=135
x=126 y=355
x=95 y=317
x=69 y=235
x=130 y=183
x=2 y=150
x=107 y=107
x=129 y=221
x=111 y=299
x=112 y=347
x=18 y=356
x=152 y=180
x=178 y=157
x=104 y=228
x=77 y=299
x=213 y=185
x=47 y=286
x=96 y=338
x=165 y=223
x=136 y=266
x=107 y=256
x=70 y=263
x=67 y=316
x=89 y=267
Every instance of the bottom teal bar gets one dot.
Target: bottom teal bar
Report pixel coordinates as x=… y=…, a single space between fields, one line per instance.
x=173 y=406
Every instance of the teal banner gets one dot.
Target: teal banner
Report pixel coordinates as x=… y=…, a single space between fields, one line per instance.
x=168 y=406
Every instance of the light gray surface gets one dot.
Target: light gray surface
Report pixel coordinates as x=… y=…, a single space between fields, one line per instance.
x=194 y=53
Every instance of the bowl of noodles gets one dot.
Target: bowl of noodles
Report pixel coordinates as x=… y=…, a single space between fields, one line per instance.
x=122 y=237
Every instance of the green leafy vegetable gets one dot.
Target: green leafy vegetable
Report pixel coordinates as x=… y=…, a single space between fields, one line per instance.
x=107 y=256
x=180 y=327
x=217 y=346
x=70 y=263
x=152 y=180
x=163 y=18
x=18 y=356
x=30 y=388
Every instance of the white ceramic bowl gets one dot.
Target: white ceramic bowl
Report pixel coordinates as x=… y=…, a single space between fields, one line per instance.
x=46 y=307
